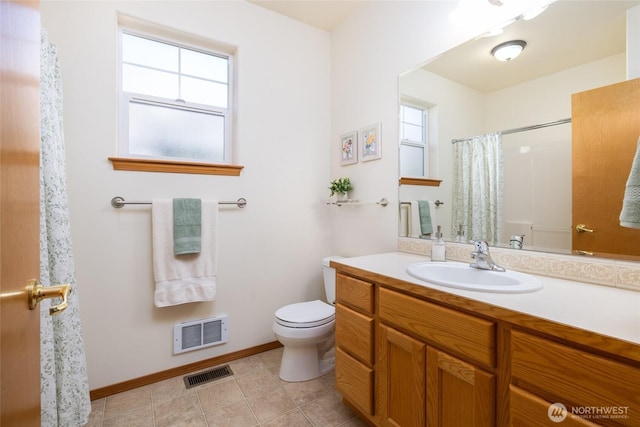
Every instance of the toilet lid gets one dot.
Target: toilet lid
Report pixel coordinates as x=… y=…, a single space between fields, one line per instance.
x=305 y=314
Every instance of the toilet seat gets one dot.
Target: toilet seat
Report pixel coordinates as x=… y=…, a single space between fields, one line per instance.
x=308 y=314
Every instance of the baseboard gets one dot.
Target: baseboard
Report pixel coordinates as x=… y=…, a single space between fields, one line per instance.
x=180 y=370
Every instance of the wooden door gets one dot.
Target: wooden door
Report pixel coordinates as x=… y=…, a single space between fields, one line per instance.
x=19 y=211
x=605 y=130
x=402 y=379
x=458 y=393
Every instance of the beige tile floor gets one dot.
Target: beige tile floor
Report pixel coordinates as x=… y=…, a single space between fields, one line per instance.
x=253 y=396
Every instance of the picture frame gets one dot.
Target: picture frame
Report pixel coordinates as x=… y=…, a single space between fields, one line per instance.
x=349 y=148
x=370 y=142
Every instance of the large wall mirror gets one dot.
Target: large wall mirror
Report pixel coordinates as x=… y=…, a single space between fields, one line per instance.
x=572 y=47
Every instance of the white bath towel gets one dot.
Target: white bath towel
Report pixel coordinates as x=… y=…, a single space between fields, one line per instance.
x=414 y=220
x=415 y=226
x=184 y=278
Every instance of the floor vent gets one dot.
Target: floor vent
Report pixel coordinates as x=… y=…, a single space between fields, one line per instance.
x=207 y=376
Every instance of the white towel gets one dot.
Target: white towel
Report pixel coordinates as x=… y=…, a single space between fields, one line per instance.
x=415 y=229
x=414 y=220
x=184 y=278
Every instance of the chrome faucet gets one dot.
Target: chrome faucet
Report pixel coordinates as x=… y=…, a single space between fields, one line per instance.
x=483 y=259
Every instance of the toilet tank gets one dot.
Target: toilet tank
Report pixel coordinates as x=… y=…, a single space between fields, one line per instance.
x=329 y=278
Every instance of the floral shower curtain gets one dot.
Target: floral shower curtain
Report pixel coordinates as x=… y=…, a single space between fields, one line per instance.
x=64 y=383
x=478 y=187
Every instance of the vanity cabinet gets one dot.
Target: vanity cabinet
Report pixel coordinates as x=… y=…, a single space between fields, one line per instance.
x=355 y=342
x=409 y=355
x=421 y=375
x=594 y=388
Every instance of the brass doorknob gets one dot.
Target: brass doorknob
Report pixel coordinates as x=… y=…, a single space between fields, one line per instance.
x=582 y=228
x=36 y=293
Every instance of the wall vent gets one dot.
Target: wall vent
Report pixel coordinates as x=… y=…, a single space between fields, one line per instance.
x=199 y=334
x=207 y=376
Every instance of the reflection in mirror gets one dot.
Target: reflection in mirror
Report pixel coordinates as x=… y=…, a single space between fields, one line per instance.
x=572 y=47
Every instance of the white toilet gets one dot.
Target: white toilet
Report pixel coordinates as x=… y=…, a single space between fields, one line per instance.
x=306 y=330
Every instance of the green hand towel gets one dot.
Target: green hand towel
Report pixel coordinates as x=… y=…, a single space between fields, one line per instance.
x=187 y=226
x=630 y=214
x=426 y=227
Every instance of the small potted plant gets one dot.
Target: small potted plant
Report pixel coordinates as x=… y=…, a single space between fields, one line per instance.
x=340 y=188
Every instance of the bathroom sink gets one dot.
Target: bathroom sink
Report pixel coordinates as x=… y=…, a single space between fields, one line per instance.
x=461 y=276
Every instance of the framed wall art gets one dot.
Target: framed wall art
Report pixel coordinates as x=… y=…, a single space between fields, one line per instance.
x=349 y=148
x=370 y=142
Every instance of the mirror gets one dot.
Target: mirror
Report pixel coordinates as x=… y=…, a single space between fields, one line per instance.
x=571 y=47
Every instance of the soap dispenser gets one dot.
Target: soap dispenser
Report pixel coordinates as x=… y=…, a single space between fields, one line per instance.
x=438 y=248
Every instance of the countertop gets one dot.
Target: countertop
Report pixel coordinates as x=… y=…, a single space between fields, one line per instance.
x=602 y=310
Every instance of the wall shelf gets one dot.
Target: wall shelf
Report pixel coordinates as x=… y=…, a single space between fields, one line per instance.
x=382 y=202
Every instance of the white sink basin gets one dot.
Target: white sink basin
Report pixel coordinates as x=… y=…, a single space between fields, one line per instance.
x=462 y=276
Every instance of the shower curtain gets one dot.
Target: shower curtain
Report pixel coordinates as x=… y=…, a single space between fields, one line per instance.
x=63 y=373
x=478 y=187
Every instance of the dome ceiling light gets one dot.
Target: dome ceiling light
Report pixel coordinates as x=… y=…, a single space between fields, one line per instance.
x=508 y=50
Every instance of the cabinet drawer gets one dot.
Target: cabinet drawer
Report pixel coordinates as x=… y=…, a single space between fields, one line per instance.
x=354 y=333
x=579 y=380
x=354 y=292
x=355 y=381
x=532 y=411
x=450 y=329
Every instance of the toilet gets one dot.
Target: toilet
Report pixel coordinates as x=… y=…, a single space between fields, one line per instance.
x=306 y=330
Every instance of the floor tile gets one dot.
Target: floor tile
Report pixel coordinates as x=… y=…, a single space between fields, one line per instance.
x=254 y=396
x=271 y=404
x=218 y=394
x=235 y=415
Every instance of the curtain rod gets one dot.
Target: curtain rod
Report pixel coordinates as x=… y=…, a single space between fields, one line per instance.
x=522 y=129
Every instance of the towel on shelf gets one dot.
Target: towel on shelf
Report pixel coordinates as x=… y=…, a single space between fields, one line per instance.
x=187 y=226
x=185 y=278
x=425 y=209
x=630 y=214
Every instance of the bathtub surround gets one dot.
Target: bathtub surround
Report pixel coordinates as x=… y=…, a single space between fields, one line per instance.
x=64 y=383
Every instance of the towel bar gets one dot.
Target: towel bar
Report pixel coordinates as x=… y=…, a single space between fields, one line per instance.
x=118 y=202
x=437 y=203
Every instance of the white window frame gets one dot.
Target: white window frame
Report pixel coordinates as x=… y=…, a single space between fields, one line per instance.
x=125 y=98
x=425 y=133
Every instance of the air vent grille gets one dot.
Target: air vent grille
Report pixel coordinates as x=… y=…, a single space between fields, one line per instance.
x=207 y=376
x=199 y=334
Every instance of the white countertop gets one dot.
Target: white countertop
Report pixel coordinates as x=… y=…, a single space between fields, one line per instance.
x=604 y=310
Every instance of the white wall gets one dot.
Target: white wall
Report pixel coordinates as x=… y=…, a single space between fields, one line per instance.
x=269 y=253
x=460 y=112
x=381 y=40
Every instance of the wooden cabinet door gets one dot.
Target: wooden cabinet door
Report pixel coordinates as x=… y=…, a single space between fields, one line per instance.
x=458 y=394
x=401 y=379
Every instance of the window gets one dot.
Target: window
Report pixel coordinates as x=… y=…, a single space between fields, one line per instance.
x=413 y=141
x=175 y=100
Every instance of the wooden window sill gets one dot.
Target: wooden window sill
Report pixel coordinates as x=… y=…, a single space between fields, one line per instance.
x=428 y=182
x=169 y=166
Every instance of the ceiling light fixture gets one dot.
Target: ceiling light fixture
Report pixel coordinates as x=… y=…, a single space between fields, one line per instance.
x=508 y=50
